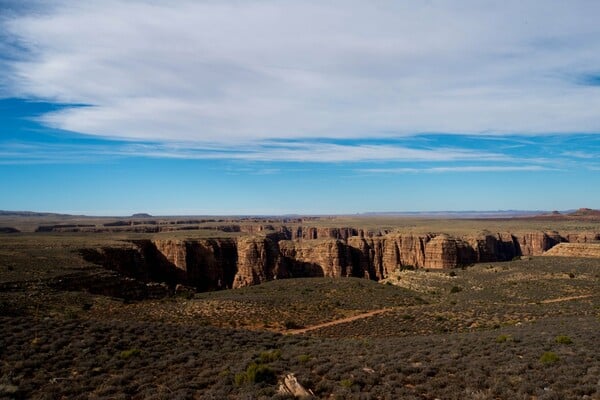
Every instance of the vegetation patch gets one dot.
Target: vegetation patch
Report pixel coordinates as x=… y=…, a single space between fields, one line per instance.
x=549 y=357
x=255 y=373
x=563 y=339
x=503 y=338
x=125 y=354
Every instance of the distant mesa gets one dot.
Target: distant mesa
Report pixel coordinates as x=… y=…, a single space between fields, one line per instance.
x=8 y=229
x=141 y=215
x=586 y=212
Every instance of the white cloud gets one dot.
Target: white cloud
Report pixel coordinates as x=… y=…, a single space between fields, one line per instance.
x=264 y=152
x=235 y=73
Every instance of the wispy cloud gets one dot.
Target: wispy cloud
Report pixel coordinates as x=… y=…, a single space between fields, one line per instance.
x=580 y=154
x=233 y=72
x=316 y=152
x=468 y=168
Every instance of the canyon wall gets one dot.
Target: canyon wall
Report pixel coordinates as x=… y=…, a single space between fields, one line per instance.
x=212 y=264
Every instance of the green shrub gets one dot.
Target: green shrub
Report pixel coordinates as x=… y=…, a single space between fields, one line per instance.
x=347 y=383
x=455 y=289
x=304 y=358
x=549 y=357
x=563 y=339
x=125 y=354
x=255 y=373
x=269 y=356
x=503 y=338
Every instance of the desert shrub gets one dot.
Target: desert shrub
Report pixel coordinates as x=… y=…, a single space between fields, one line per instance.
x=304 y=358
x=563 y=339
x=255 y=373
x=452 y=273
x=549 y=357
x=71 y=314
x=571 y=275
x=269 y=356
x=125 y=354
x=289 y=324
x=503 y=338
x=455 y=289
x=10 y=310
x=347 y=383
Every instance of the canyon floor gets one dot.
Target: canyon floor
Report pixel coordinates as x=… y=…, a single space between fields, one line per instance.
x=522 y=329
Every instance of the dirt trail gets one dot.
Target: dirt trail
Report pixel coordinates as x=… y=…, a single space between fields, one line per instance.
x=561 y=299
x=384 y=310
x=339 y=321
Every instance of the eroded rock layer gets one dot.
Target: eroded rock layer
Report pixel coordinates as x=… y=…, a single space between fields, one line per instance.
x=212 y=264
x=575 y=250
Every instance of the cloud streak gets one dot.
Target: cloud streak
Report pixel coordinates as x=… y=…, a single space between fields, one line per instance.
x=463 y=168
x=294 y=152
x=234 y=74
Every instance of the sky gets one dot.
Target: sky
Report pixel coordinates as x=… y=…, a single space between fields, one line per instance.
x=272 y=107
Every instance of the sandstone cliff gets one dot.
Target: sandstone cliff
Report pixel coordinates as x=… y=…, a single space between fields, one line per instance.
x=210 y=264
x=535 y=243
x=258 y=261
x=326 y=257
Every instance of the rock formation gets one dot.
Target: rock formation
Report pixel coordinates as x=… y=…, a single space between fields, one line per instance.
x=575 y=250
x=211 y=264
x=535 y=243
x=320 y=257
x=258 y=261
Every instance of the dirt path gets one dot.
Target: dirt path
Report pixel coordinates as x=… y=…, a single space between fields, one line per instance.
x=339 y=321
x=561 y=299
x=384 y=310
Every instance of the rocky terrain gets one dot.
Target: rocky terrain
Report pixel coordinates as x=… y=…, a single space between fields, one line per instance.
x=521 y=330
x=219 y=263
x=489 y=309
x=575 y=250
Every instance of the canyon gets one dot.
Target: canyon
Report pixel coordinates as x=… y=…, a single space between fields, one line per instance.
x=267 y=253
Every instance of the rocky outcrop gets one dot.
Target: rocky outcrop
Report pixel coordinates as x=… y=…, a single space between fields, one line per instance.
x=258 y=261
x=308 y=258
x=535 y=243
x=490 y=247
x=591 y=250
x=444 y=251
x=583 y=237
x=110 y=283
x=377 y=257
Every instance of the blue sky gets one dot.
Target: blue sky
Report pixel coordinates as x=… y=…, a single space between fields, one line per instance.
x=266 y=107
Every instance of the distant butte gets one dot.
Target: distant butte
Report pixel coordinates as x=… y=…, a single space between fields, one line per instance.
x=141 y=215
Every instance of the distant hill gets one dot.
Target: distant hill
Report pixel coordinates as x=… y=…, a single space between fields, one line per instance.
x=585 y=212
x=141 y=215
x=459 y=214
x=34 y=214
